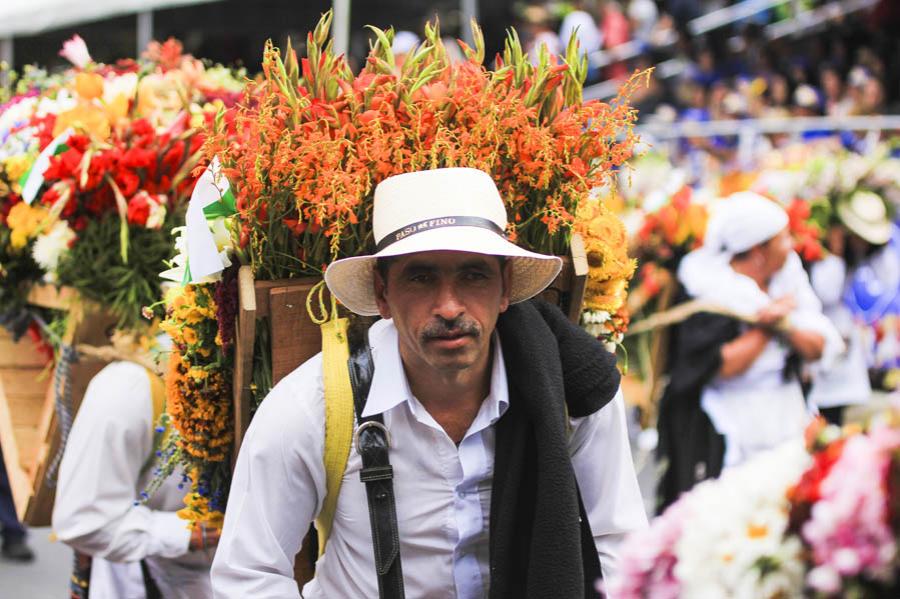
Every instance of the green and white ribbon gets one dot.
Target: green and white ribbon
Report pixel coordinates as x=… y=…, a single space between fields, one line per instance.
x=212 y=198
x=33 y=179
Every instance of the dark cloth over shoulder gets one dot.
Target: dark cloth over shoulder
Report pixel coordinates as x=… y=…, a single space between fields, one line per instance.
x=689 y=445
x=535 y=534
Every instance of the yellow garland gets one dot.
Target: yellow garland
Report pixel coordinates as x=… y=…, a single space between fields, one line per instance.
x=609 y=267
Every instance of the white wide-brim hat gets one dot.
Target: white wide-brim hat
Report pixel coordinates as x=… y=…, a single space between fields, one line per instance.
x=447 y=209
x=865 y=214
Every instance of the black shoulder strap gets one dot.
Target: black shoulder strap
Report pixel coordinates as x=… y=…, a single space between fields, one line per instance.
x=373 y=444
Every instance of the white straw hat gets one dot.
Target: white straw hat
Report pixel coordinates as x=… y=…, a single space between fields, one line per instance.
x=865 y=214
x=456 y=209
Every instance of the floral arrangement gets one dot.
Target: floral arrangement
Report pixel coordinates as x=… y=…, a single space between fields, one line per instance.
x=671 y=231
x=200 y=320
x=609 y=271
x=814 y=521
x=314 y=139
x=299 y=158
x=96 y=163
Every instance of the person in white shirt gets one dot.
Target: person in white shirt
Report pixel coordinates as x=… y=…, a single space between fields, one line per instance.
x=474 y=393
x=107 y=465
x=747 y=264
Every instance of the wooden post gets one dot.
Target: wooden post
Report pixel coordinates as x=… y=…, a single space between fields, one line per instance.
x=244 y=339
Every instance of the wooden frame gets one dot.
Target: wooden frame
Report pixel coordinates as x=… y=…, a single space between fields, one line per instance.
x=28 y=422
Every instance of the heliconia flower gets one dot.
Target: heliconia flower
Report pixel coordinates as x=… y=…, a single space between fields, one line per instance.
x=75 y=51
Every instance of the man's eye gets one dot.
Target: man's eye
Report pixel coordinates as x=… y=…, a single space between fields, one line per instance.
x=420 y=278
x=474 y=275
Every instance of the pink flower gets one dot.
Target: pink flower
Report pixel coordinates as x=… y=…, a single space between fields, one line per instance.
x=76 y=52
x=647 y=563
x=849 y=530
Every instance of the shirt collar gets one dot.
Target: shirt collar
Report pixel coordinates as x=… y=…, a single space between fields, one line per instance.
x=390 y=386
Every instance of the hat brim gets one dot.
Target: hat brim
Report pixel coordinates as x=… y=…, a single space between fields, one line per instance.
x=351 y=280
x=878 y=233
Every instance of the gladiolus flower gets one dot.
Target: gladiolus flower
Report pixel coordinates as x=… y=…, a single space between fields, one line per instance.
x=75 y=51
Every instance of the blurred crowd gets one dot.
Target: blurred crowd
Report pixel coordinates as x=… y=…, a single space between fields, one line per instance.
x=847 y=64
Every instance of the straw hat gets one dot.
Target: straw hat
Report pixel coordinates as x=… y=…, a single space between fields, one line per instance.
x=456 y=209
x=865 y=214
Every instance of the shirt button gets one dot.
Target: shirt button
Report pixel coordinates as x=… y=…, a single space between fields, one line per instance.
x=461 y=494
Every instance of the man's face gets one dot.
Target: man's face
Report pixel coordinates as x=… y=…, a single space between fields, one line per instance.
x=445 y=306
x=776 y=251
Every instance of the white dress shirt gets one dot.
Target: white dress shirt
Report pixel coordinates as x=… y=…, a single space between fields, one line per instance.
x=443 y=492
x=100 y=481
x=847 y=382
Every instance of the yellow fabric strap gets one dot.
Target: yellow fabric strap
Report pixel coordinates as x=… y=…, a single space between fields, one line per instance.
x=158 y=400
x=338 y=419
x=157 y=396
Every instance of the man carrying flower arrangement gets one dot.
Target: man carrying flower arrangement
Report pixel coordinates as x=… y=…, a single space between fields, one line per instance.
x=128 y=543
x=490 y=449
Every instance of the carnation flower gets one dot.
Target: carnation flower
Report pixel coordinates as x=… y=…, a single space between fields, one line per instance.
x=49 y=247
x=849 y=530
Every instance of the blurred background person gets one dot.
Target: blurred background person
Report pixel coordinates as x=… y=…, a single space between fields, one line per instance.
x=734 y=388
x=127 y=545
x=15 y=546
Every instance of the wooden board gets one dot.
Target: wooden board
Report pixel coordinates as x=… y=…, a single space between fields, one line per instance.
x=40 y=504
x=23 y=387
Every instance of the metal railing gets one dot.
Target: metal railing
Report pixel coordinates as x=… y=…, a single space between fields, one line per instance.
x=734 y=127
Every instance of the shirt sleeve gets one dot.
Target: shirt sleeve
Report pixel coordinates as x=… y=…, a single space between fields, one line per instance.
x=601 y=457
x=276 y=491
x=110 y=442
x=827 y=278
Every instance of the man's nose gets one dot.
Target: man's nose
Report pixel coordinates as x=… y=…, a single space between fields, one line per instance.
x=447 y=304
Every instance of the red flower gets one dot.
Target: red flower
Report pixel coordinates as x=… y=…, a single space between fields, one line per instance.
x=139 y=209
x=128 y=182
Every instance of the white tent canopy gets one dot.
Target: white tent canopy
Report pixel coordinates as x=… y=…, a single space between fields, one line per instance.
x=28 y=17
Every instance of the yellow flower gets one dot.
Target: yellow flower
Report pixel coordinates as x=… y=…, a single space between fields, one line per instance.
x=89 y=85
x=198 y=374
x=15 y=167
x=189 y=335
x=24 y=222
x=87 y=117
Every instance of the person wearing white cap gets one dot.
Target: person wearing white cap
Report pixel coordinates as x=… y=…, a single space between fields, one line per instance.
x=509 y=474
x=734 y=388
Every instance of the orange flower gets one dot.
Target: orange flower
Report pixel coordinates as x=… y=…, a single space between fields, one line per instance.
x=89 y=85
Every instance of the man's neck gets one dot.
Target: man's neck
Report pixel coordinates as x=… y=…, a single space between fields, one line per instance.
x=744 y=268
x=454 y=397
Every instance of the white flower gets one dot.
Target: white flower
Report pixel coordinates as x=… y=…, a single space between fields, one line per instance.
x=49 y=247
x=741 y=521
x=75 y=51
x=157 y=216
x=176 y=272
x=853 y=168
x=824 y=579
x=120 y=85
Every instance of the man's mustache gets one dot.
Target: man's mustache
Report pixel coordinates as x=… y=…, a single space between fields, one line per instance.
x=442 y=328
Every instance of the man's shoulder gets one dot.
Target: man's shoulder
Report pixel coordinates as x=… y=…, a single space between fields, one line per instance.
x=119 y=386
x=297 y=399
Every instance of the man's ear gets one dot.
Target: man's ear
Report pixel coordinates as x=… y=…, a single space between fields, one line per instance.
x=506 y=274
x=379 y=286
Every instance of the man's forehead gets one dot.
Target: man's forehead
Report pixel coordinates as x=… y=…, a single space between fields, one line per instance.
x=445 y=258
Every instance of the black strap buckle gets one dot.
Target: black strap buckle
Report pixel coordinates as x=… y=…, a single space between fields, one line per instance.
x=372 y=440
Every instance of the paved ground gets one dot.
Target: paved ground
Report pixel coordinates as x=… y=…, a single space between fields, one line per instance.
x=45 y=578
